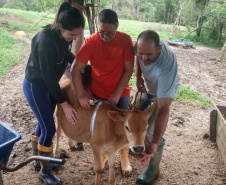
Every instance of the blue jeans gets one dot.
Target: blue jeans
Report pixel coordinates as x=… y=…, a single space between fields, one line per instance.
x=43 y=106
x=122 y=103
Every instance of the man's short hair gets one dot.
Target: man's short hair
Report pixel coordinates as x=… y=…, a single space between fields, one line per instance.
x=150 y=35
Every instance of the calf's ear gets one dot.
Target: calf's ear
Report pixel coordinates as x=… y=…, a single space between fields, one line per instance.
x=150 y=110
x=116 y=116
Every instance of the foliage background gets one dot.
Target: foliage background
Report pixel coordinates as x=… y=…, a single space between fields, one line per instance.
x=208 y=16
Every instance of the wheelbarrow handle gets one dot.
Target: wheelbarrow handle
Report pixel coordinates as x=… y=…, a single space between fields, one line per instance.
x=32 y=158
x=50 y=159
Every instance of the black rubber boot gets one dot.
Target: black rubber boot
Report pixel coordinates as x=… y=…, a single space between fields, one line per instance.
x=151 y=173
x=34 y=143
x=46 y=173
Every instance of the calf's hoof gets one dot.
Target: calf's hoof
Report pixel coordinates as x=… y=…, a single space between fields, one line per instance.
x=127 y=171
x=78 y=147
x=61 y=154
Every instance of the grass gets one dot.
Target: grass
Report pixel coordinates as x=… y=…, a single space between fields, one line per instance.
x=131 y=27
x=34 y=17
x=185 y=94
x=9 y=52
x=18 y=26
x=134 y=28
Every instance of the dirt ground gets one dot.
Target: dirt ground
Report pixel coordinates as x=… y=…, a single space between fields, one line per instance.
x=188 y=157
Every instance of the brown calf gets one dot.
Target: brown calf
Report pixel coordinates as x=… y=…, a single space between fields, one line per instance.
x=113 y=130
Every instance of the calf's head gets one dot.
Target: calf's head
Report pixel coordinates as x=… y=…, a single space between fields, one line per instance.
x=135 y=126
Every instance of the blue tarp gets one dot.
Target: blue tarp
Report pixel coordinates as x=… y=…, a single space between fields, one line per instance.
x=183 y=42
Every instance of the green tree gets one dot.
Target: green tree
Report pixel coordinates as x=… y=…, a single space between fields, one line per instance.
x=32 y=5
x=148 y=10
x=207 y=17
x=217 y=20
x=2 y=3
x=170 y=12
x=104 y=3
x=15 y=4
x=48 y=4
x=160 y=10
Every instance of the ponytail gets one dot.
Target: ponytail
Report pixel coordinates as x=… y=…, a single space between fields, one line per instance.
x=69 y=17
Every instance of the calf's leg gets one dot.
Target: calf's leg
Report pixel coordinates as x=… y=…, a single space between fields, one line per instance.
x=99 y=162
x=104 y=158
x=71 y=144
x=111 y=163
x=58 y=132
x=125 y=164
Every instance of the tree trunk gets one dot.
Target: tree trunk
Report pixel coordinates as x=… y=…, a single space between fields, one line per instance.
x=167 y=9
x=189 y=33
x=199 y=25
x=178 y=18
x=221 y=56
x=170 y=12
x=116 y=5
x=113 y=5
x=219 y=31
x=138 y=10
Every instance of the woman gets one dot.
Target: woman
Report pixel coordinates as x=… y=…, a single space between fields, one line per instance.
x=50 y=54
x=111 y=57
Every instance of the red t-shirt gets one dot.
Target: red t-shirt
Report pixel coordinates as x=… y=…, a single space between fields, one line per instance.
x=107 y=61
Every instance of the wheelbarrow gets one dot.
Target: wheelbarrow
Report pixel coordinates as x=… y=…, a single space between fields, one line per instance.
x=8 y=137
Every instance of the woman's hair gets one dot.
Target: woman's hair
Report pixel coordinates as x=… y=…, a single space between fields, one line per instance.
x=69 y=17
x=108 y=16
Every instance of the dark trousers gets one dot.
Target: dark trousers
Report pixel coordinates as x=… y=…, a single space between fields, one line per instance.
x=122 y=103
x=43 y=106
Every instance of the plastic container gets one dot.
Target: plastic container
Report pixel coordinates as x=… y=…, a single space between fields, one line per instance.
x=8 y=137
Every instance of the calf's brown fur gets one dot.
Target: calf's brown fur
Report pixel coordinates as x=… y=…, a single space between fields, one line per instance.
x=113 y=130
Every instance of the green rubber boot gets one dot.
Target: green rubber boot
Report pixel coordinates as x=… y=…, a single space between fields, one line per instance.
x=152 y=171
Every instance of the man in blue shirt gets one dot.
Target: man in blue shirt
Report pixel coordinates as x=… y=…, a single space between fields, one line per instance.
x=157 y=78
